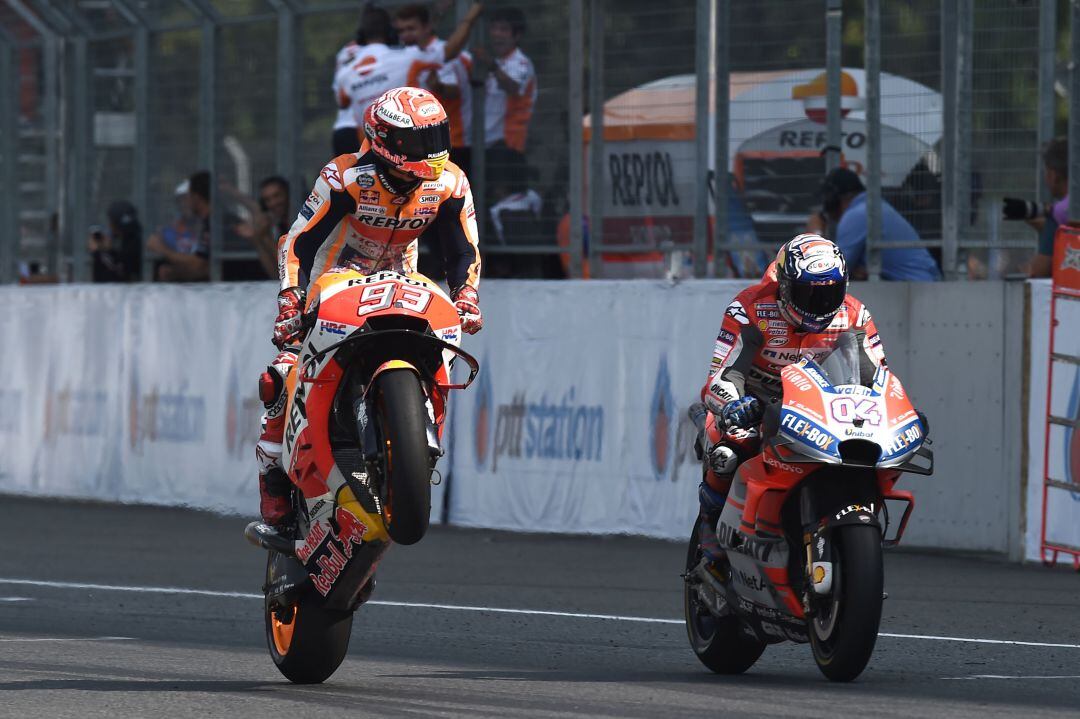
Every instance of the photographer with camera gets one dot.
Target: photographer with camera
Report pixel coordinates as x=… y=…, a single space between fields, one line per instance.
x=1045 y=218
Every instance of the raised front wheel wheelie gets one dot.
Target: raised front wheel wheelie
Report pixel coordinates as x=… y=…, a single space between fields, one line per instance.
x=307 y=641
x=718 y=642
x=845 y=628
x=403 y=422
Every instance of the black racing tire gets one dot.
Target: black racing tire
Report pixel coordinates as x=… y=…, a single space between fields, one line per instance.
x=843 y=644
x=407 y=459
x=307 y=641
x=720 y=644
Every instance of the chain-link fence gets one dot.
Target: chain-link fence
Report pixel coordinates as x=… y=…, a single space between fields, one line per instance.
x=110 y=108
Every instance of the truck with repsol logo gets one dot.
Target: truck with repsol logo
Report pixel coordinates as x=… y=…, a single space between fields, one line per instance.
x=777 y=134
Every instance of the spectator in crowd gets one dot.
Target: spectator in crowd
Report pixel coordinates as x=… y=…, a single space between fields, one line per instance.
x=510 y=85
x=844 y=202
x=187 y=258
x=274 y=220
x=450 y=83
x=270 y=219
x=179 y=237
x=116 y=255
x=189 y=261
x=1045 y=219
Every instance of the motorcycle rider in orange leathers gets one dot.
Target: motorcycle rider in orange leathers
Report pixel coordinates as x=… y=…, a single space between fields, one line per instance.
x=804 y=292
x=366 y=211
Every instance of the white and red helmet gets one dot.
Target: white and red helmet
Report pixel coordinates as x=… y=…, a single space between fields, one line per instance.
x=408 y=128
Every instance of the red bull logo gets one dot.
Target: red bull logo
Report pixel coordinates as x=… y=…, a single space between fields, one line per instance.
x=329 y=565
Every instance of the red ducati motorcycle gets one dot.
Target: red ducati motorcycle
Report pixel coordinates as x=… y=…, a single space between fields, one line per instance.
x=806 y=519
x=366 y=403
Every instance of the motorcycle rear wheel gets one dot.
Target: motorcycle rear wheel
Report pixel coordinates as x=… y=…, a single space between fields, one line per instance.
x=718 y=642
x=307 y=641
x=842 y=636
x=403 y=421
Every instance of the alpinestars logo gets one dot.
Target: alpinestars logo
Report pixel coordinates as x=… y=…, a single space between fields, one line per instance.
x=736 y=311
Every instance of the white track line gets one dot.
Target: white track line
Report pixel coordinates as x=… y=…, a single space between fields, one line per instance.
x=68 y=639
x=490 y=610
x=979 y=641
x=1004 y=676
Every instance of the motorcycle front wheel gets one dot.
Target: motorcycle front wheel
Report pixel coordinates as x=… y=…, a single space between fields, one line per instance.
x=406 y=457
x=718 y=642
x=845 y=628
x=307 y=641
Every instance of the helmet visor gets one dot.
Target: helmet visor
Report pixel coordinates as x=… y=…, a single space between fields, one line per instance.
x=421 y=143
x=818 y=299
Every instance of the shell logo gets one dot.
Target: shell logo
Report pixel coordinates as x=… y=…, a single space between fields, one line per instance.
x=814 y=96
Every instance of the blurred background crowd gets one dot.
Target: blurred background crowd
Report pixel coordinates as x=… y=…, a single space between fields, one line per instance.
x=173 y=140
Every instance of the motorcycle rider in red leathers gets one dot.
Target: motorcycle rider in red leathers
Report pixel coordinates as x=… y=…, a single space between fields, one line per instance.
x=804 y=292
x=366 y=212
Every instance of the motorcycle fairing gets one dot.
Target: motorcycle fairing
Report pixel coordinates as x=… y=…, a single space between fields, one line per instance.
x=346 y=535
x=818 y=418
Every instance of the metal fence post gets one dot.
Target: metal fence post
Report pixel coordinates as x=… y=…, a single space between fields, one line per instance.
x=141 y=159
x=721 y=125
x=701 y=137
x=287 y=95
x=81 y=146
x=872 y=51
x=596 y=137
x=574 y=112
x=965 y=57
x=208 y=127
x=50 y=113
x=1074 y=112
x=478 y=137
x=949 y=226
x=1047 y=100
x=833 y=19
x=9 y=107
x=140 y=167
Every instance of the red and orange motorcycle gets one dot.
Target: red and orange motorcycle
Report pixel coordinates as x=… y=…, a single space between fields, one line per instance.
x=806 y=518
x=366 y=403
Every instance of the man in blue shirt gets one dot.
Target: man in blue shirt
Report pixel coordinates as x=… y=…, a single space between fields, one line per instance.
x=844 y=201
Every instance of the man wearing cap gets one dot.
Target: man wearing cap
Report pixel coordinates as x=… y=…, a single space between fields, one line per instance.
x=844 y=202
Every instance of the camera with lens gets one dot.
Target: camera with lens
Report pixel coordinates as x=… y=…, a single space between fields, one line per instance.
x=1013 y=208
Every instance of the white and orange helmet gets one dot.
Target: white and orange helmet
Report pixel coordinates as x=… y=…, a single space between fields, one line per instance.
x=408 y=128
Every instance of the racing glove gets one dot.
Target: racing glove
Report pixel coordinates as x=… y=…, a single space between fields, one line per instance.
x=744 y=412
x=1016 y=209
x=467 y=304
x=289 y=324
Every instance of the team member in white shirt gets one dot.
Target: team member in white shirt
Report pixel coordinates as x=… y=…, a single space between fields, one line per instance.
x=377 y=67
x=450 y=84
x=511 y=82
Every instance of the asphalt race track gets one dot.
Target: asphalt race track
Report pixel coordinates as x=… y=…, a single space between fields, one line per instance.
x=90 y=627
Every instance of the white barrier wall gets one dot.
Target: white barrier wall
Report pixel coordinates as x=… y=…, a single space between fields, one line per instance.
x=576 y=423
x=142 y=393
